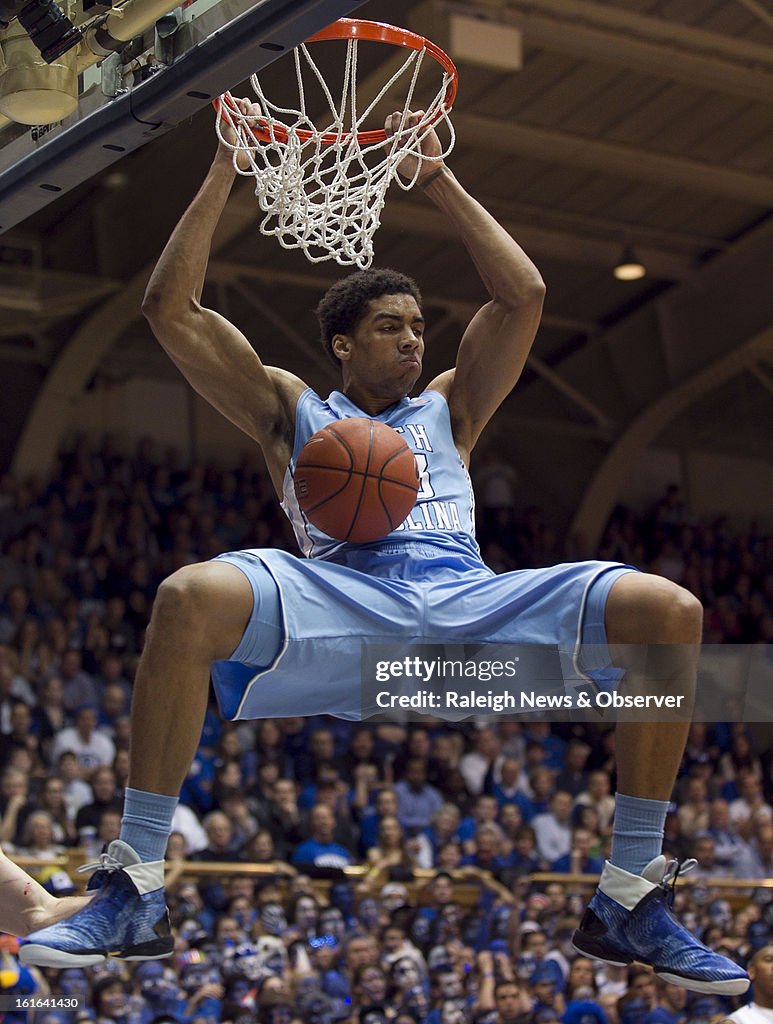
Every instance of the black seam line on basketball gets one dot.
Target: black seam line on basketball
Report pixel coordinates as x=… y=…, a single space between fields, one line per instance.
x=347 y=449
x=394 y=455
x=382 y=478
x=358 y=472
x=329 y=497
x=391 y=522
x=343 y=441
x=364 y=480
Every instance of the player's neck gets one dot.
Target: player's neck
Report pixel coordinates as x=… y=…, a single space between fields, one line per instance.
x=365 y=399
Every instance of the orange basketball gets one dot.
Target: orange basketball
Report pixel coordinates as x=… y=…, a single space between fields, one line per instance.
x=356 y=480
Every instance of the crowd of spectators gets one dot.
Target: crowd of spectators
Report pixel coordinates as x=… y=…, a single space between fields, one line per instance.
x=444 y=922
x=729 y=570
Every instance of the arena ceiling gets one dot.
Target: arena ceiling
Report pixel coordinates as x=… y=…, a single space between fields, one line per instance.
x=631 y=122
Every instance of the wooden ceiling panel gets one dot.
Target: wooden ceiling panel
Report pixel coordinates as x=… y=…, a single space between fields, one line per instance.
x=732 y=19
x=748 y=142
x=582 y=84
x=612 y=111
x=658 y=108
x=513 y=92
x=719 y=217
x=640 y=203
x=706 y=120
x=552 y=185
x=740 y=125
x=596 y=192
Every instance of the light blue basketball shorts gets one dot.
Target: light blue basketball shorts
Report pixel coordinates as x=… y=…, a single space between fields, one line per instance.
x=301 y=653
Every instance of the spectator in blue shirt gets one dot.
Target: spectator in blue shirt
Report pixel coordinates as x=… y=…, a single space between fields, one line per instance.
x=319 y=849
x=671 y=1006
x=553 y=745
x=487 y=857
x=542 y=786
x=509 y=790
x=483 y=813
x=385 y=807
x=417 y=801
x=579 y=860
x=443 y=829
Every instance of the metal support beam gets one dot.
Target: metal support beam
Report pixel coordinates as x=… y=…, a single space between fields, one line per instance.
x=312 y=354
x=550 y=425
x=664 y=31
x=225 y=271
x=612 y=158
x=763 y=377
x=562 y=385
x=47 y=293
x=406 y=216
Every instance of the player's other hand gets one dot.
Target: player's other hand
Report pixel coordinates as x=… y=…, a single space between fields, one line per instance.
x=429 y=146
x=251 y=111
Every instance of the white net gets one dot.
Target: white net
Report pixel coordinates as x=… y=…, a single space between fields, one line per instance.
x=322 y=189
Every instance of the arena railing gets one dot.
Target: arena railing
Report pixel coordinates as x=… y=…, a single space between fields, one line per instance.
x=735 y=890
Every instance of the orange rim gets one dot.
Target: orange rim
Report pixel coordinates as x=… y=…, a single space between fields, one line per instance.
x=373 y=32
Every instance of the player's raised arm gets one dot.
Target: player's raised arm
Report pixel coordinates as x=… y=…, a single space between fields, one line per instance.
x=213 y=355
x=496 y=344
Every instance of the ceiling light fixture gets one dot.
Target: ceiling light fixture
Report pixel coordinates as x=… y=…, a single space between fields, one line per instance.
x=628 y=267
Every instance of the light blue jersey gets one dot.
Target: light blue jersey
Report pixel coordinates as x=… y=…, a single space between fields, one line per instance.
x=444 y=513
x=424 y=582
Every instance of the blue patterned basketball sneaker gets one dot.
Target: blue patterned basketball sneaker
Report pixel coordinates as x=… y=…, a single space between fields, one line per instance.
x=628 y=919
x=126 y=919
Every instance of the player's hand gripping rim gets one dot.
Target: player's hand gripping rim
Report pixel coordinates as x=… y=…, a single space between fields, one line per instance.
x=231 y=141
x=415 y=167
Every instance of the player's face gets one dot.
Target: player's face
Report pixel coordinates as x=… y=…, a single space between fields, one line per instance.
x=386 y=348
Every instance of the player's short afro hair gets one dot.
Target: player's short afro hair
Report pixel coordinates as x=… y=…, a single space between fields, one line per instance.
x=345 y=303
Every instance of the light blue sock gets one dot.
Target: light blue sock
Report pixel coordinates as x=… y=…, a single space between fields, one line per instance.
x=147 y=822
x=637 y=832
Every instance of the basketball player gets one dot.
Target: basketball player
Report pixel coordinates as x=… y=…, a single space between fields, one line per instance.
x=283 y=635
x=25 y=905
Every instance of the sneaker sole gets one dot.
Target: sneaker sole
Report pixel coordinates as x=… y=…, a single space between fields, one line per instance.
x=728 y=987
x=43 y=956
x=725 y=987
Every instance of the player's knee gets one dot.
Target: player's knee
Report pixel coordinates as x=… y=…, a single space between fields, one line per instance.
x=204 y=606
x=191 y=602
x=649 y=609
x=178 y=601
x=687 y=614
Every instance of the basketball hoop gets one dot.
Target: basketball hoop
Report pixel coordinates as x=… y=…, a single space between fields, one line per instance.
x=322 y=189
